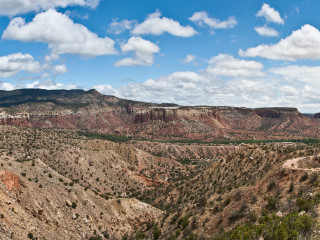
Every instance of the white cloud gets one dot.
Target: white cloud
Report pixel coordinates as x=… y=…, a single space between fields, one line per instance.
x=296 y=73
x=52 y=57
x=118 y=27
x=12 y=64
x=75 y=14
x=303 y=43
x=6 y=86
x=24 y=67
x=227 y=65
x=289 y=90
x=189 y=58
x=60 y=69
x=246 y=86
x=106 y=89
x=61 y=33
x=266 y=31
x=206 y=87
x=178 y=87
x=45 y=75
x=191 y=88
x=202 y=18
x=156 y=25
x=47 y=84
x=14 y=7
x=270 y=14
x=302 y=86
x=143 y=52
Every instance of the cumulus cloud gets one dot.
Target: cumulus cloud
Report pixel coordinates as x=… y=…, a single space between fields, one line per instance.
x=106 y=89
x=302 y=88
x=47 y=84
x=6 y=86
x=191 y=88
x=60 y=69
x=117 y=27
x=288 y=90
x=25 y=67
x=227 y=65
x=143 y=52
x=202 y=19
x=12 y=64
x=266 y=31
x=156 y=25
x=270 y=14
x=189 y=58
x=52 y=57
x=178 y=87
x=296 y=73
x=246 y=85
x=303 y=43
x=61 y=33
x=14 y=7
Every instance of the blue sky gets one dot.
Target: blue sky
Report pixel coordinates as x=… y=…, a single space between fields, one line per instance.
x=246 y=53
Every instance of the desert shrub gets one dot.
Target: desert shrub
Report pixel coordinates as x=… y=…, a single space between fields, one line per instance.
x=183 y=222
x=125 y=237
x=202 y=201
x=271 y=227
x=140 y=235
x=238 y=196
x=252 y=216
x=304 y=177
x=156 y=233
x=304 y=204
x=74 y=205
x=291 y=187
x=238 y=214
x=314 y=177
x=227 y=201
x=95 y=238
x=271 y=185
x=272 y=204
x=106 y=235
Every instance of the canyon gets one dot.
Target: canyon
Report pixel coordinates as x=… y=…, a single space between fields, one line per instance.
x=77 y=164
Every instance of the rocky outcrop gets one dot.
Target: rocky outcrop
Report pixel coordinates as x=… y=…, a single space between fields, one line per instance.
x=276 y=112
x=80 y=110
x=10 y=180
x=317 y=115
x=155 y=114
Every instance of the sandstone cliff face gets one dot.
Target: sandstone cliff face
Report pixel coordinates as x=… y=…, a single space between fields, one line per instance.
x=90 y=110
x=225 y=122
x=157 y=114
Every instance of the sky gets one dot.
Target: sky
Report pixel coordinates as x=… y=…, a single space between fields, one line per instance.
x=245 y=53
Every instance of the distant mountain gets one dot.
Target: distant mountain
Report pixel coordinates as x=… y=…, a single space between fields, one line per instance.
x=90 y=110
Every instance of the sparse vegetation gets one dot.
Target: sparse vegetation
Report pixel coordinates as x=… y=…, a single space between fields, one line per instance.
x=242 y=187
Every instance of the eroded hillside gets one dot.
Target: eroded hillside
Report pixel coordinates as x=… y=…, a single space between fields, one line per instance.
x=40 y=203
x=256 y=185
x=94 y=112
x=62 y=185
